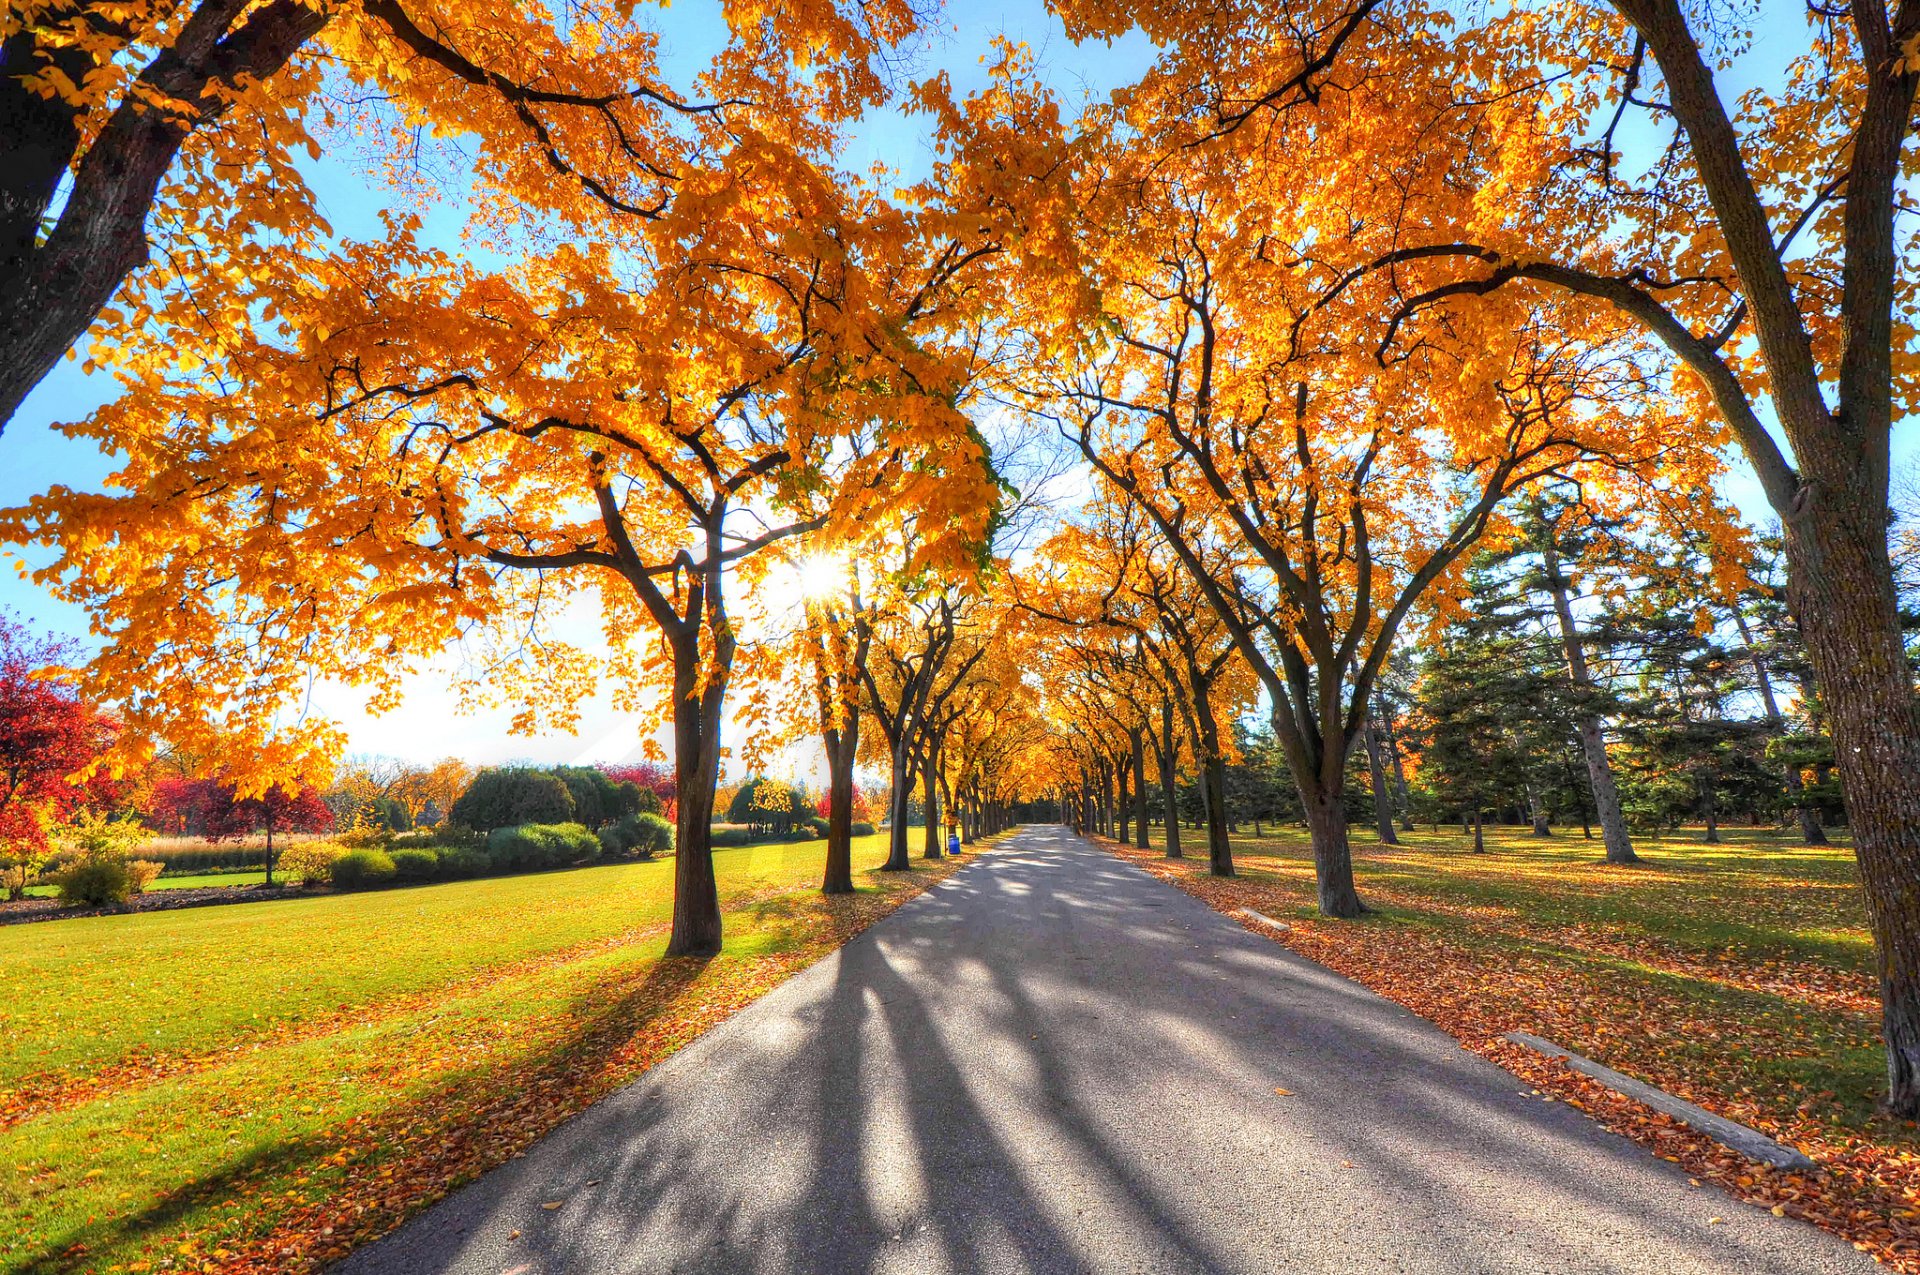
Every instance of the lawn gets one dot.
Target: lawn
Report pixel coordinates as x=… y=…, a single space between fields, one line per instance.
x=257 y=1087
x=1738 y=975
x=254 y=877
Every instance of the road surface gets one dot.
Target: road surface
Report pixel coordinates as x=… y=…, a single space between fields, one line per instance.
x=1054 y=1062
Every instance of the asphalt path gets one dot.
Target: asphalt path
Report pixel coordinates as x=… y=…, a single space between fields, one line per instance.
x=1053 y=1061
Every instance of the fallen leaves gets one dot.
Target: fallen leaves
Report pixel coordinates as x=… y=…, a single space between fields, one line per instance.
x=1724 y=1029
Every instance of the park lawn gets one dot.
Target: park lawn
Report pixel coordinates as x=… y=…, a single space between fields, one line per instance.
x=257 y=1088
x=1738 y=975
x=256 y=877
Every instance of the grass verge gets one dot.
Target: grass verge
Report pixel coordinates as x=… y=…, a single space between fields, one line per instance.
x=262 y=1088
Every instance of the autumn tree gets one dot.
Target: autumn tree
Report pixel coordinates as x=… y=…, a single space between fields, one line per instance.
x=230 y=812
x=1314 y=496
x=133 y=125
x=1753 y=235
x=50 y=739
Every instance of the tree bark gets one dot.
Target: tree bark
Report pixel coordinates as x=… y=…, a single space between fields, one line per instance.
x=898 y=859
x=696 y=765
x=1593 y=743
x=1214 y=788
x=1139 y=788
x=1165 y=748
x=1332 y=853
x=1377 y=775
x=930 y=798
x=841 y=744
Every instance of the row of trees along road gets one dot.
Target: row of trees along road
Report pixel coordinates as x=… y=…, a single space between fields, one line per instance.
x=1314 y=304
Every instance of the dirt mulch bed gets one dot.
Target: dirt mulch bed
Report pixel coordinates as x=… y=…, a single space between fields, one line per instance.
x=22 y=911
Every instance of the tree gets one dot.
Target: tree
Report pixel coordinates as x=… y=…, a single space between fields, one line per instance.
x=125 y=122
x=502 y=797
x=1211 y=381
x=49 y=739
x=230 y=813
x=1760 y=250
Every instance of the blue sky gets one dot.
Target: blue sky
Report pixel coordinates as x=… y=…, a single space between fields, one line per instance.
x=426 y=726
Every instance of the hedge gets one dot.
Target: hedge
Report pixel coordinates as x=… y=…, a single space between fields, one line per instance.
x=531 y=846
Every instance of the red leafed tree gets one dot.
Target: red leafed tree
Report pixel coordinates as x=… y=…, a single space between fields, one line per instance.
x=654 y=776
x=47 y=734
x=227 y=815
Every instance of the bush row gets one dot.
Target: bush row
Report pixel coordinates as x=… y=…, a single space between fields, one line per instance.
x=522 y=848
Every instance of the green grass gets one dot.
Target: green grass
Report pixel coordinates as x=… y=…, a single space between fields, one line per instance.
x=1743 y=969
x=186 y=1065
x=254 y=877
x=1761 y=893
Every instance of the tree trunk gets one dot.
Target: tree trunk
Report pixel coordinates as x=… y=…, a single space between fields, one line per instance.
x=897 y=855
x=1479 y=833
x=1214 y=789
x=1139 y=788
x=269 y=851
x=1593 y=743
x=1542 y=824
x=1400 y=778
x=1169 y=799
x=841 y=747
x=1377 y=775
x=1124 y=807
x=1332 y=854
x=696 y=766
x=930 y=798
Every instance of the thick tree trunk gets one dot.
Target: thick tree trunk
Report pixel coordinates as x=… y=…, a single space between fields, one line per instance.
x=930 y=798
x=1219 y=846
x=841 y=747
x=1332 y=854
x=1377 y=775
x=696 y=765
x=1479 y=832
x=1123 y=807
x=897 y=855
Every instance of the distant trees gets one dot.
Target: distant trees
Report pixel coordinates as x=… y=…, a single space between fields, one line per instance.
x=509 y=795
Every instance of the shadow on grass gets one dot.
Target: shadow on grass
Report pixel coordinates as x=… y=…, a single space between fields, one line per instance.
x=470 y=1122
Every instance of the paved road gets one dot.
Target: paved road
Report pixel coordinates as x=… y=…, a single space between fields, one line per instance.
x=1055 y=1062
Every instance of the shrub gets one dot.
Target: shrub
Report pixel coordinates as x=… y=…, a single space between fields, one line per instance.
x=507 y=797
x=99 y=872
x=309 y=862
x=359 y=868
x=465 y=861
x=644 y=834
x=106 y=881
x=415 y=865
x=99 y=884
x=817 y=826
x=530 y=846
x=861 y=828
x=730 y=836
